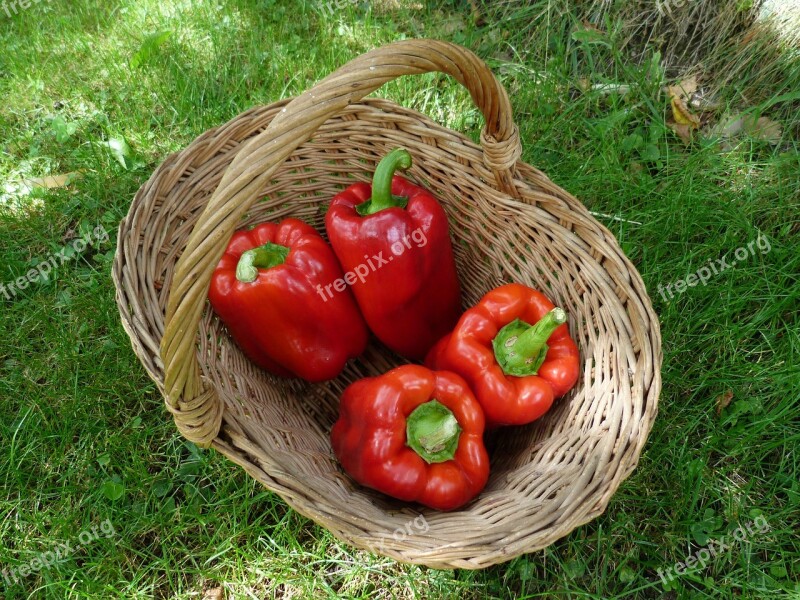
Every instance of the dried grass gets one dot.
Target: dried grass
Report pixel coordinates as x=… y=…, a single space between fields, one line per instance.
x=747 y=59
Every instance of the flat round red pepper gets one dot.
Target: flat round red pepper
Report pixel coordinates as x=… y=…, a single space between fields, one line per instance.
x=469 y=350
x=371 y=437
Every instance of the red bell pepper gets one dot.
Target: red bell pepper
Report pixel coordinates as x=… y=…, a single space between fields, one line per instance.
x=265 y=291
x=393 y=240
x=414 y=434
x=513 y=349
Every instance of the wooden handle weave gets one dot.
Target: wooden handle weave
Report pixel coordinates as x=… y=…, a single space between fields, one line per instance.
x=198 y=410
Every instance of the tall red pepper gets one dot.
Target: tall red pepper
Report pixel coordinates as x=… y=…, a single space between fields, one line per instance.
x=265 y=291
x=393 y=241
x=514 y=350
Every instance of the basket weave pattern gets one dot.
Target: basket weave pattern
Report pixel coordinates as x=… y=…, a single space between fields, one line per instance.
x=509 y=222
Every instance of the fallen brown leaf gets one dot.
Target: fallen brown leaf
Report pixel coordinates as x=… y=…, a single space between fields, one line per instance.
x=589 y=25
x=454 y=25
x=682 y=114
x=682 y=131
x=213 y=594
x=52 y=181
x=765 y=129
x=728 y=129
x=683 y=89
x=723 y=400
x=761 y=128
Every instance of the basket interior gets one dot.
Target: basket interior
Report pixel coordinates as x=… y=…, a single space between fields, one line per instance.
x=547 y=477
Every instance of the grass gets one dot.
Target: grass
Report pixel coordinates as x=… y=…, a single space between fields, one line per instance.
x=85 y=437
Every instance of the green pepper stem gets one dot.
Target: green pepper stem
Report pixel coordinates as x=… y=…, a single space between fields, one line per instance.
x=432 y=431
x=382 y=197
x=532 y=341
x=520 y=348
x=263 y=257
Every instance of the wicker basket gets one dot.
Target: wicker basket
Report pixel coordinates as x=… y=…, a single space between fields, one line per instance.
x=509 y=223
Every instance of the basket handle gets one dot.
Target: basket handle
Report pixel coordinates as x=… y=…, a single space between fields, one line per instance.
x=196 y=407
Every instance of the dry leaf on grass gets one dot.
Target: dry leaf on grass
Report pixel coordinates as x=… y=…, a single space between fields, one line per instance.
x=682 y=114
x=587 y=24
x=723 y=401
x=765 y=129
x=685 y=120
x=683 y=89
x=213 y=594
x=682 y=131
x=728 y=129
x=51 y=181
x=453 y=25
x=761 y=128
